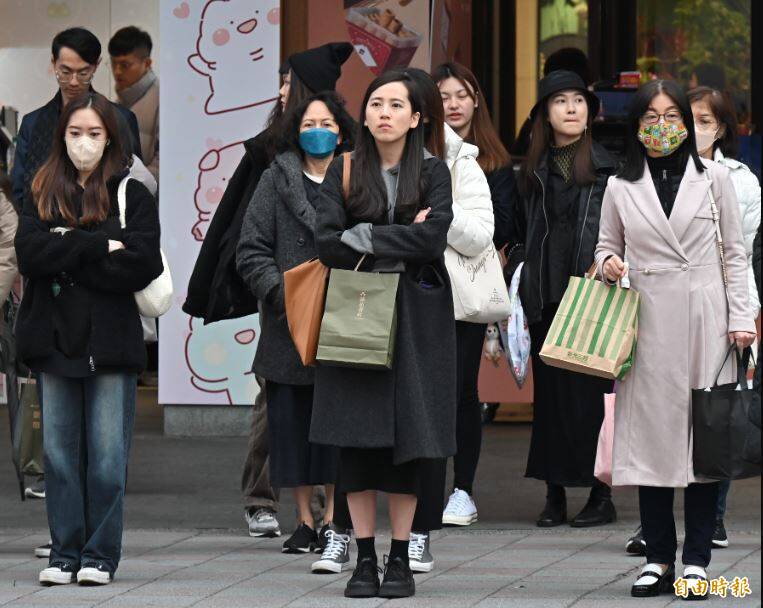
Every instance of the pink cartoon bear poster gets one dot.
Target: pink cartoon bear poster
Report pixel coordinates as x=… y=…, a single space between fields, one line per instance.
x=219 y=83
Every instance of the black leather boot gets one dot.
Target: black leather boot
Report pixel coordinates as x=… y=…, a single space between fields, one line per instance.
x=599 y=509
x=555 y=511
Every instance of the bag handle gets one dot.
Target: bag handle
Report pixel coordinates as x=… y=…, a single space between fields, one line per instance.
x=742 y=365
x=718 y=235
x=346 y=167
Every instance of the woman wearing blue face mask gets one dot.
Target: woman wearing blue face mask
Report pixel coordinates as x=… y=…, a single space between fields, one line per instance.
x=277 y=235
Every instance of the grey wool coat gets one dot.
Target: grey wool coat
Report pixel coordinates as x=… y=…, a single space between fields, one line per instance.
x=277 y=235
x=684 y=317
x=411 y=407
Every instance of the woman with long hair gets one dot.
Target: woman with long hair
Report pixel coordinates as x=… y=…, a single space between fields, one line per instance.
x=395 y=219
x=562 y=183
x=277 y=235
x=467 y=115
x=78 y=328
x=658 y=211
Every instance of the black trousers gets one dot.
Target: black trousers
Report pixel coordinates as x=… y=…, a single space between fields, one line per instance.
x=470 y=338
x=659 y=526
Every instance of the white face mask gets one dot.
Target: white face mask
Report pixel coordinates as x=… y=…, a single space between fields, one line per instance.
x=85 y=152
x=705 y=139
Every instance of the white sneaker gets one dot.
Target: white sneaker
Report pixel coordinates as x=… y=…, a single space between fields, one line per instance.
x=419 y=556
x=262 y=522
x=58 y=573
x=461 y=510
x=336 y=556
x=94 y=574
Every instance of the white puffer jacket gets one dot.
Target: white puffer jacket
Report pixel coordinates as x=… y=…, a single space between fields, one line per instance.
x=747 y=190
x=472 y=228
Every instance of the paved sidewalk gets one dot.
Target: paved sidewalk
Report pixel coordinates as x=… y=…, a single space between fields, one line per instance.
x=532 y=568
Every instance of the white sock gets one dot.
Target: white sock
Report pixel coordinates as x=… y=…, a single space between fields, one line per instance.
x=646 y=577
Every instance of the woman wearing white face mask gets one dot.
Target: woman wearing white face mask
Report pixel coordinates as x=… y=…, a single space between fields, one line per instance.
x=78 y=328
x=715 y=126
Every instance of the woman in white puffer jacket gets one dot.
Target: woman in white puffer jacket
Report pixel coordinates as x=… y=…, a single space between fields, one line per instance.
x=715 y=128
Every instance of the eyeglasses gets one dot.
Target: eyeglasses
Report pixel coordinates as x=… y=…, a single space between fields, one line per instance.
x=83 y=76
x=652 y=118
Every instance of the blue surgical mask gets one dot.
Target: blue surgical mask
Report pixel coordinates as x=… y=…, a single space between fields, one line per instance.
x=318 y=143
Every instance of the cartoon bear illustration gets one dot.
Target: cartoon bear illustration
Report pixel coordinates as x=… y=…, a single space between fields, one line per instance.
x=215 y=169
x=220 y=355
x=233 y=36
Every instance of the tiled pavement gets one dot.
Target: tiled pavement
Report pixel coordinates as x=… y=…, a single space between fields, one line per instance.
x=523 y=568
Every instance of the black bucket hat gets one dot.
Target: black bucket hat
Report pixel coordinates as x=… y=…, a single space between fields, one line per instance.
x=564 y=80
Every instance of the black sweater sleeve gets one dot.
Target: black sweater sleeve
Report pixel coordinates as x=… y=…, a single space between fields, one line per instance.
x=42 y=253
x=140 y=262
x=503 y=189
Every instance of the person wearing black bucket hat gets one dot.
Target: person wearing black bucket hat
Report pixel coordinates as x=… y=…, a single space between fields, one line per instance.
x=561 y=185
x=216 y=291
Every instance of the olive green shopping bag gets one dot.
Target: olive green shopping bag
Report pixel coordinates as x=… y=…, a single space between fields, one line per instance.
x=359 y=322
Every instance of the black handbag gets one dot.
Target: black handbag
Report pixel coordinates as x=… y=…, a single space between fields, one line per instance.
x=721 y=423
x=752 y=439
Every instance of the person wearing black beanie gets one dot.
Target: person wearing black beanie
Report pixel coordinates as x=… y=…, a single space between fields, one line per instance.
x=321 y=67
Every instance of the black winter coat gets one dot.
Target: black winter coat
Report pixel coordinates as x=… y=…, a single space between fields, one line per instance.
x=412 y=407
x=215 y=289
x=531 y=228
x=277 y=235
x=107 y=281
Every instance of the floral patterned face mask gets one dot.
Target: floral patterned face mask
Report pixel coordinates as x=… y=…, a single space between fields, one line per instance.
x=663 y=137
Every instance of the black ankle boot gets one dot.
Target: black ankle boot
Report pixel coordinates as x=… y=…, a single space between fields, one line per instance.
x=555 y=511
x=599 y=509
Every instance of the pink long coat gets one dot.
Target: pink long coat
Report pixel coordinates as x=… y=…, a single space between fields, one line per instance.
x=684 y=318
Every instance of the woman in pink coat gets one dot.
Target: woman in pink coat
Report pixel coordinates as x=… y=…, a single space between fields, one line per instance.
x=656 y=215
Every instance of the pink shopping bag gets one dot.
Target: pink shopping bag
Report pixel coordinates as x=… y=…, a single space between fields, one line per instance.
x=602 y=468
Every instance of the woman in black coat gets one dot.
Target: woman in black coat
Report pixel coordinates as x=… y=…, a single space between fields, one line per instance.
x=277 y=235
x=397 y=216
x=562 y=184
x=78 y=328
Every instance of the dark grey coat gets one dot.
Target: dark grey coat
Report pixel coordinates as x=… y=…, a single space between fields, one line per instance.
x=277 y=235
x=412 y=407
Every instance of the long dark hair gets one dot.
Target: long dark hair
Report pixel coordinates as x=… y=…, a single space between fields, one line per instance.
x=54 y=186
x=723 y=110
x=542 y=138
x=433 y=113
x=273 y=132
x=493 y=154
x=336 y=105
x=635 y=153
x=368 y=195
x=6 y=187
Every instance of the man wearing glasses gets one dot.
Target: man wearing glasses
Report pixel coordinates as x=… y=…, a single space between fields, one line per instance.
x=76 y=53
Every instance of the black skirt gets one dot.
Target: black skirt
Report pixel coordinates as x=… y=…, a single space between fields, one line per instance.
x=567 y=414
x=362 y=469
x=294 y=461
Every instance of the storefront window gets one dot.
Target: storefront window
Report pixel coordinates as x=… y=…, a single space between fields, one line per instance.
x=563 y=24
x=698 y=42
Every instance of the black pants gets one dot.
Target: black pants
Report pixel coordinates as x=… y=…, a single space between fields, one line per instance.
x=470 y=338
x=659 y=526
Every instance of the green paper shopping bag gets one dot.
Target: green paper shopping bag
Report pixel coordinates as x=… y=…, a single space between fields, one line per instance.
x=594 y=330
x=359 y=322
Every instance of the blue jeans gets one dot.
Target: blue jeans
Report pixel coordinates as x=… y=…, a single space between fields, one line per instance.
x=87 y=428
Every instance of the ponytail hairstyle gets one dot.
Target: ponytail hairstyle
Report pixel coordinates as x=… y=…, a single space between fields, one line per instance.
x=55 y=185
x=368 y=195
x=493 y=154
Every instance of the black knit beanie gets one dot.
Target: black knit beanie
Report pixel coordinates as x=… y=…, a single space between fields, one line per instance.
x=320 y=68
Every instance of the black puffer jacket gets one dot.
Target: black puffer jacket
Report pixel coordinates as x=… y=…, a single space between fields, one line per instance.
x=531 y=227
